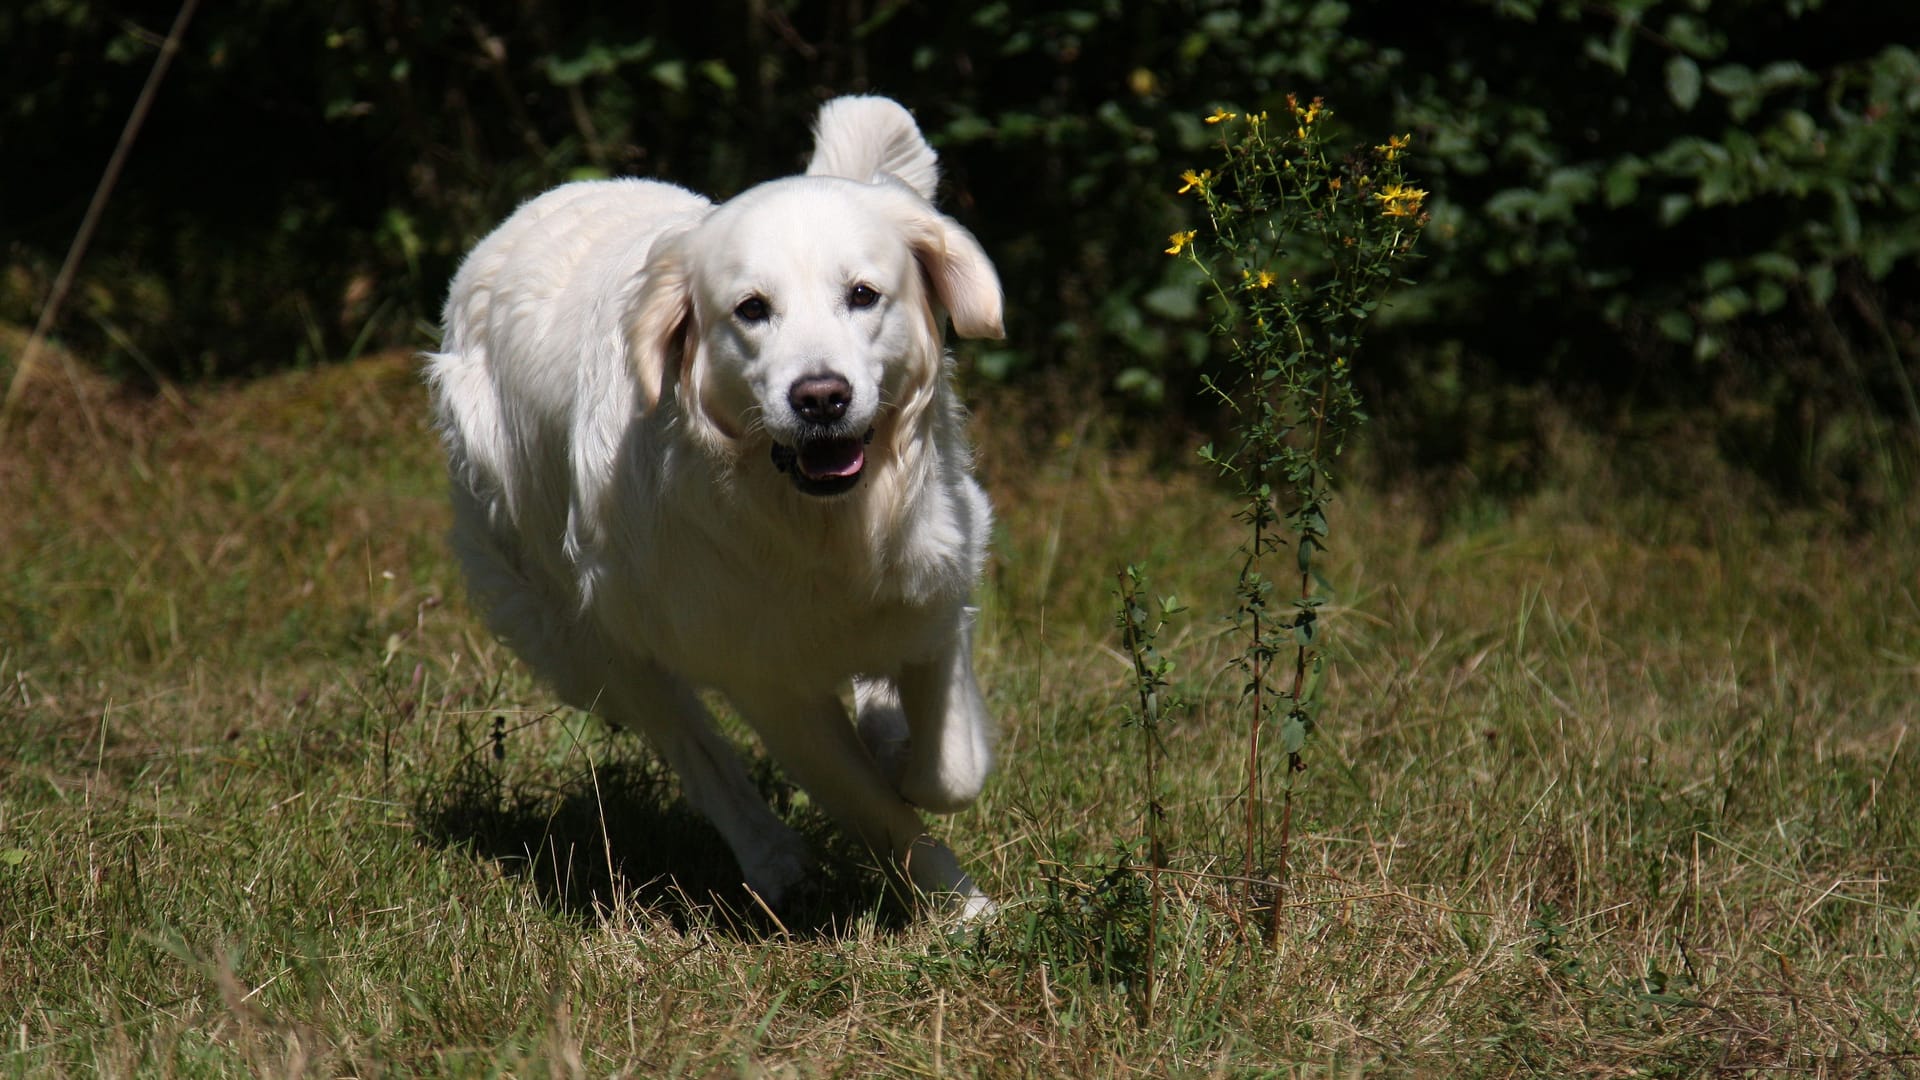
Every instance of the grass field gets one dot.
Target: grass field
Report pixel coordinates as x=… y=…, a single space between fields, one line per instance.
x=1611 y=783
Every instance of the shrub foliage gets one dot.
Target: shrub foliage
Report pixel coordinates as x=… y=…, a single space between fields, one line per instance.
x=1636 y=204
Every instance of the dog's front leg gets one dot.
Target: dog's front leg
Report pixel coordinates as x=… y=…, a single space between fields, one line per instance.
x=772 y=857
x=949 y=749
x=816 y=746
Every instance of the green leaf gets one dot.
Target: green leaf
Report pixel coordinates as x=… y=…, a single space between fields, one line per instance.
x=967 y=128
x=1725 y=305
x=1820 y=282
x=1691 y=35
x=1616 y=50
x=1172 y=301
x=719 y=75
x=596 y=60
x=671 y=74
x=993 y=17
x=1623 y=181
x=996 y=364
x=1141 y=383
x=1769 y=297
x=1799 y=126
x=1683 y=82
x=1292 y=734
x=1732 y=80
x=1675 y=326
x=1310 y=686
x=1846 y=217
x=1786 y=73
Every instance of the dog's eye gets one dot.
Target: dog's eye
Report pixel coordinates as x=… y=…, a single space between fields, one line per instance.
x=752 y=310
x=862 y=296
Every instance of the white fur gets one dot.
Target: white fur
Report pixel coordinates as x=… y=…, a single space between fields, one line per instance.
x=610 y=424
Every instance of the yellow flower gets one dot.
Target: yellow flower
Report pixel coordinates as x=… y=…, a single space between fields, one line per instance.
x=1399 y=200
x=1196 y=180
x=1219 y=115
x=1265 y=279
x=1180 y=241
x=1394 y=144
x=1334 y=184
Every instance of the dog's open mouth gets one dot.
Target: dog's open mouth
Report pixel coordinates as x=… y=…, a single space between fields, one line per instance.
x=828 y=465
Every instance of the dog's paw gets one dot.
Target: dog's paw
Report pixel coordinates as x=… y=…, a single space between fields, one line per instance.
x=774 y=872
x=935 y=873
x=971 y=908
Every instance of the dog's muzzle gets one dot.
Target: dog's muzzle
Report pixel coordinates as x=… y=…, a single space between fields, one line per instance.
x=825 y=465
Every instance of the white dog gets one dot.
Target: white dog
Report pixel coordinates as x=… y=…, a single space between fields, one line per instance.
x=698 y=445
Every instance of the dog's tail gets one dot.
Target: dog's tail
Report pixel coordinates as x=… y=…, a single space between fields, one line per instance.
x=867 y=138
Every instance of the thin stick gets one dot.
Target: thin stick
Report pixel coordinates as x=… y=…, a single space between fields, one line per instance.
x=1299 y=675
x=761 y=903
x=1144 y=682
x=63 y=281
x=1254 y=824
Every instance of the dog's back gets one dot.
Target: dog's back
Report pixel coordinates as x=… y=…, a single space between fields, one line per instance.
x=536 y=298
x=526 y=311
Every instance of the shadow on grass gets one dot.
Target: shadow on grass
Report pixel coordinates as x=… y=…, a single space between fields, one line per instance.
x=624 y=832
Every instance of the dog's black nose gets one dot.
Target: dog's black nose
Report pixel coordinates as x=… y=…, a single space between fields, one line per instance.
x=820 y=399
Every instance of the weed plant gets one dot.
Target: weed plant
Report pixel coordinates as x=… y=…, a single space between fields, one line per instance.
x=1152 y=684
x=1299 y=246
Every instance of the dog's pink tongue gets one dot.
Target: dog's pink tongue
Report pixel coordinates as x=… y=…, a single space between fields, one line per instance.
x=831 y=459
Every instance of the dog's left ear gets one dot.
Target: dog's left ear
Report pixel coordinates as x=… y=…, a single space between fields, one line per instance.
x=963 y=280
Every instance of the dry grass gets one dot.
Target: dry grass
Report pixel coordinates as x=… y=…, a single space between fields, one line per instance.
x=1609 y=785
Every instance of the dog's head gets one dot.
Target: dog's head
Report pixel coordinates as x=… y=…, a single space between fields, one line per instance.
x=804 y=313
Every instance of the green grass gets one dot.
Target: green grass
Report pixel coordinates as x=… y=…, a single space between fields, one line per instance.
x=1609 y=784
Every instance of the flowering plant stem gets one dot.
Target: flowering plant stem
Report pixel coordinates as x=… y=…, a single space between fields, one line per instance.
x=1139 y=630
x=1298 y=250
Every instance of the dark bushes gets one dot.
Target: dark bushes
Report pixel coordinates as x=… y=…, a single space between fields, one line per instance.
x=1642 y=208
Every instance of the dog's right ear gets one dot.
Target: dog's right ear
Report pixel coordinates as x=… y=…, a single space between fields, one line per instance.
x=662 y=317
